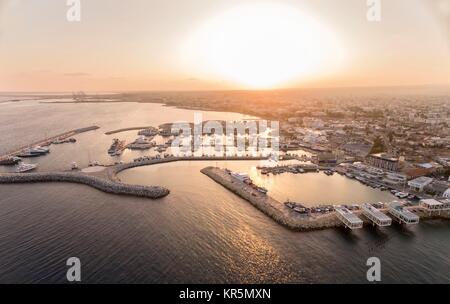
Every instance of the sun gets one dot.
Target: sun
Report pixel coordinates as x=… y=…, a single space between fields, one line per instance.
x=261 y=46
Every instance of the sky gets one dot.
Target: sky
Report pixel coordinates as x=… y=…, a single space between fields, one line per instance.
x=221 y=44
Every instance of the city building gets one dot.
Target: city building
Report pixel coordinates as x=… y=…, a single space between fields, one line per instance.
x=433 y=205
x=446 y=193
x=383 y=161
x=327 y=158
x=420 y=183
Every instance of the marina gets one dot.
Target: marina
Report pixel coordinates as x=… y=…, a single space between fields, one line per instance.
x=197 y=205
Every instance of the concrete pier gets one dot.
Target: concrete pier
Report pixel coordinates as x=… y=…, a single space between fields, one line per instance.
x=271 y=207
x=286 y=216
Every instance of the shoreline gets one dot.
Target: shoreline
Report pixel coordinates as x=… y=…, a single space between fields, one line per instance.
x=289 y=218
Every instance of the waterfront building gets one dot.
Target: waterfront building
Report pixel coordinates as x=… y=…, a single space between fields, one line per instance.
x=383 y=161
x=433 y=205
x=327 y=158
x=446 y=203
x=446 y=193
x=392 y=178
x=420 y=183
x=403 y=215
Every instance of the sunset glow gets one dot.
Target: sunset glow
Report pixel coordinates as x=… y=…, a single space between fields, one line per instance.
x=263 y=46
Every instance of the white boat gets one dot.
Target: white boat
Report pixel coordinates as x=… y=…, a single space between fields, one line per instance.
x=40 y=150
x=74 y=166
x=23 y=167
x=262 y=190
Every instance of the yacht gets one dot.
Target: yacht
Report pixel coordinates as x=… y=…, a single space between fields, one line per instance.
x=23 y=167
x=40 y=150
x=74 y=166
x=262 y=190
x=116 y=147
x=10 y=161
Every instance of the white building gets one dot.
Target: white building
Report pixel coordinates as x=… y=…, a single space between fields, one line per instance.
x=433 y=205
x=446 y=193
x=420 y=183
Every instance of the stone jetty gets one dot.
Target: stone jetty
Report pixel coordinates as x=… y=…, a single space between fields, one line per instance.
x=286 y=216
x=271 y=207
x=99 y=183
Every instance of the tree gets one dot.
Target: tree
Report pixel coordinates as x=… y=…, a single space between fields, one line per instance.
x=378 y=146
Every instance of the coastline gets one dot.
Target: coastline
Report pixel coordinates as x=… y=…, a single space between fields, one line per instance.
x=289 y=218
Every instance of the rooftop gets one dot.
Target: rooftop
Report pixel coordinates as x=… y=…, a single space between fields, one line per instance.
x=431 y=202
x=423 y=180
x=384 y=156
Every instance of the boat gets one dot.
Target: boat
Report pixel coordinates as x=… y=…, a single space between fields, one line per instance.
x=116 y=147
x=262 y=190
x=40 y=150
x=149 y=132
x=74 y=166
x=94 y=163
x=23 y=167
x=141 y=144
x=34 y=152
x=10 y=161
x=299 y=208
x=161 y=149
x=59 y=141
x=27 y=153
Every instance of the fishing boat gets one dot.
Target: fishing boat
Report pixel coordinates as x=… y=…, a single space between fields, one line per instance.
x=10 y=161
x=23 y=167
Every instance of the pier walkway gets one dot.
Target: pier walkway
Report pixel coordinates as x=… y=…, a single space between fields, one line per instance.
x=376 y=216
x=348 y=218
x=402 y=214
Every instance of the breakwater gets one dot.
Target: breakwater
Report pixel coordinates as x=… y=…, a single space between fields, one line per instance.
x=126 y=129
x=98 y=183
x=271 y=207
